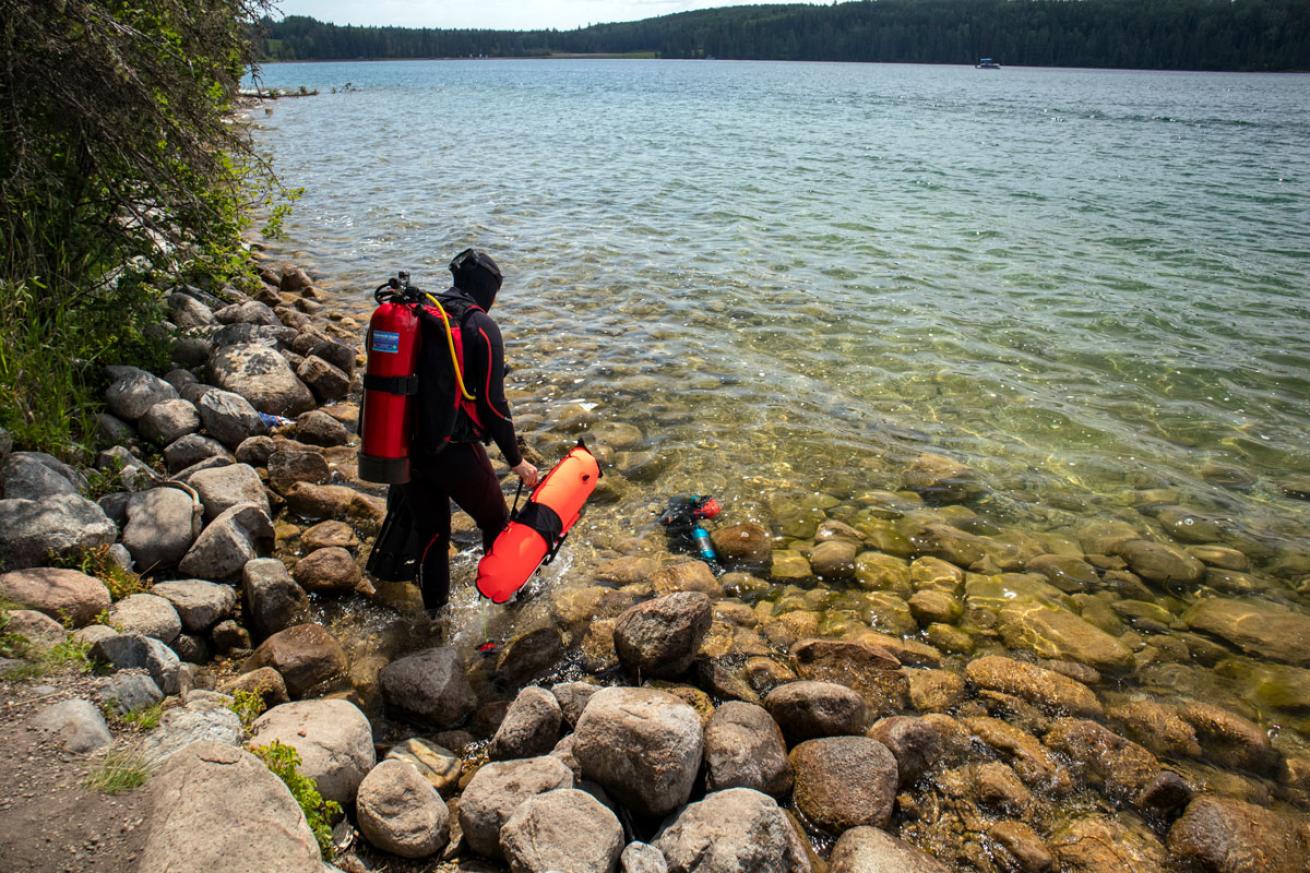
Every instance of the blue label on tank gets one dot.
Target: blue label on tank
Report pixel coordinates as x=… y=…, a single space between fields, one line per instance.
x=386 y=341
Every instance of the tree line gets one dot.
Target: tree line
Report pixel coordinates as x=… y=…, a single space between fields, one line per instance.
x=1144 y=34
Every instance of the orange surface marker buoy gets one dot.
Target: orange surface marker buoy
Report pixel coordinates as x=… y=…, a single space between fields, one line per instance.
x=536 y=532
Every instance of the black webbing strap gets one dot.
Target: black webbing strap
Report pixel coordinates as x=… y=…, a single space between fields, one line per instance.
x=546 y=522
x=404 y=385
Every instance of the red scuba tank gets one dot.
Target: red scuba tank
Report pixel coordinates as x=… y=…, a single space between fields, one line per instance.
x=390 y=384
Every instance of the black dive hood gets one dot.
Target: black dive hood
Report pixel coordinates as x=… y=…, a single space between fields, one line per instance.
x=477 y=275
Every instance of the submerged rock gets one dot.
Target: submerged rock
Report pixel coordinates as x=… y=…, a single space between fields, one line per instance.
x=844 y=782
x=1225 y=835
x=1106 y=844
x=1255 y=626
x=1046 y=688
x=1159 y=562
x=1126 y=770
x=869 y=670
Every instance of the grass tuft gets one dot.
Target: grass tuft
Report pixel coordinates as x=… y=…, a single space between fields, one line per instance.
x=121 y=770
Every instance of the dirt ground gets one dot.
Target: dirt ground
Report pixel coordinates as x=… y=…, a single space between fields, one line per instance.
x=50 y=821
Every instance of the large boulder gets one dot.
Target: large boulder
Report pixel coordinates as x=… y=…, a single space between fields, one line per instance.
x=844 y=782
x=206 y=717
x=530 y=727
x=498 y=789
x=262 y=827
x=132 y=395
x=239 y=535
x=1227 y=835
x=140 y=652
x=333 y=737
x=564 y=831
x=870 y=850
x=1050 y=690
x=221 y=488
x=274 y=601
x=228 y=417
x=262 y=376
x=146 y=614
x=744 y=748
x=65 y=595
x=199 y=604
x=660 y=638
x=644 y=746
x=305 y=654
x=162 y=524
x=65 y=524
x=731 y=831
x=807 y=710
x=429 y=686
x=168 y=421
x=400 y=813
x=36 y=476
x=1258 y=627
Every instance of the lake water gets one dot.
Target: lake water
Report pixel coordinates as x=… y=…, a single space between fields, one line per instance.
x=1092 y=287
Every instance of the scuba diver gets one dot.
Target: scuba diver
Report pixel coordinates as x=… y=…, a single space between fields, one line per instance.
x=447 y=458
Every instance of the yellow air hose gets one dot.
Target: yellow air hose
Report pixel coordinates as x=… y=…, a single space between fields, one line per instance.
x=450 y=342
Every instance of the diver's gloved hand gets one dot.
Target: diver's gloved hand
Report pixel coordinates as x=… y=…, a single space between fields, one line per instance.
x=527 y=473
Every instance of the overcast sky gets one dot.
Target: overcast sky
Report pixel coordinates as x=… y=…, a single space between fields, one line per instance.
x=500 y=14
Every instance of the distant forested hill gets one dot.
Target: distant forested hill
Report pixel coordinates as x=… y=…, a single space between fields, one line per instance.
x=1150 y=34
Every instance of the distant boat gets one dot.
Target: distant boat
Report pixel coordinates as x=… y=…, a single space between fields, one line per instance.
x=987 y=64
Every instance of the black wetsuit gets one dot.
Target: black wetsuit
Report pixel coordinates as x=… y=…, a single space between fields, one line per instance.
x=461 y=471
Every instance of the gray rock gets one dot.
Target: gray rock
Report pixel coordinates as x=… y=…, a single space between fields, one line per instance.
x=130 y=691
x=36 y=476
x=191 y=449
x=228 y=635
x=40 y=631
x=530 y=727
x=137 y=651
x=146 y=614
x=162 y=524
x=844 y=782
x=64 y=524
x=643 y=746
x=400 y=813
x=642 y=858
x=744 y=748
x=187 y=312
x=191 y=351
x=562 y=830
x=317 y=428
x=167 y=421
x=429 y=686
x=77 y=724
x=237 y=536
x=240 y=334
x=205 y=718
x=6 y=444
x=249 y=312
x=262 y=376
x=573 y=698
x=199 y=604
x=229 y=417
x=132 y=472
x=335 y=353
x=305 y=654
x=180 y=379
x=60 y=594
x=806 y=710
x=92 y=634
x=497 y=790
x=326 y=381
x=731 y=831
x=263 y=826
x=870 y=850
x=222 y=488
x=661 y=637
x=192 y=649
x=131 y=396
x=112 y=430
x=333 y=737
x=274 y=601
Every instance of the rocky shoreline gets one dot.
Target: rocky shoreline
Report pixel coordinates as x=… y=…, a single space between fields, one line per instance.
x=881 y=681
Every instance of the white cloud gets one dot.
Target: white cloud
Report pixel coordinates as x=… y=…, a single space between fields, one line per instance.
x=506 y=14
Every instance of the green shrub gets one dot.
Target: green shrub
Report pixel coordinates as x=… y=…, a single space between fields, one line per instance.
x=248 y=705
x=284 y=761
x=98 y=562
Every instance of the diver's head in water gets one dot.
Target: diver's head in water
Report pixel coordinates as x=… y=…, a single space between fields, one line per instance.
x=477 y=275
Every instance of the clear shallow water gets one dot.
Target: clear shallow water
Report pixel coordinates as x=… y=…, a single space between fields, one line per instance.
x=1078 y=282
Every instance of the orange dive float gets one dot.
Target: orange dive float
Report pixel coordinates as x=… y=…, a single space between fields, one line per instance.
x=535 y=533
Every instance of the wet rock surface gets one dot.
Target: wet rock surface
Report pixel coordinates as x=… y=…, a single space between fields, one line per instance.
x=844 y=782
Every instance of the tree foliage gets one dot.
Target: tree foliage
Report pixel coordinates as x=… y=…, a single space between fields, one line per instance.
x=119 y=170
x=1148 y=34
